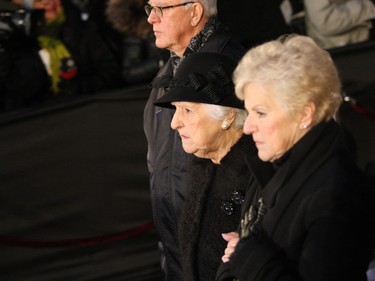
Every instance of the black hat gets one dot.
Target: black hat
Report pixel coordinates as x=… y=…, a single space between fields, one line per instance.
x=203 y=78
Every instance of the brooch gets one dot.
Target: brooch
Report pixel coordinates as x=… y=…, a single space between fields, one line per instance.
x=236 y=199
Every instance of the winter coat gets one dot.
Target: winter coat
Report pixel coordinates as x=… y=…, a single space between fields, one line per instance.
x=141 y=59
x=98 y=67
x=318 y=224
x=168 y=163
x=214 y=204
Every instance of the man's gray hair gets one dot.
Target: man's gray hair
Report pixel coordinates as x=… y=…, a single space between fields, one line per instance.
x=210 y=7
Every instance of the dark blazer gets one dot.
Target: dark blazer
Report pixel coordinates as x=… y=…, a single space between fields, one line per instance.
x=319 y=220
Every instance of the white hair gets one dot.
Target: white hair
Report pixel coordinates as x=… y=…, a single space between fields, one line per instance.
x=218 y=112
x=210 y=7
x=298 y=71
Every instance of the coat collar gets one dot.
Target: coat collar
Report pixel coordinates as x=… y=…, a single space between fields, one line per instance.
x=304 y=159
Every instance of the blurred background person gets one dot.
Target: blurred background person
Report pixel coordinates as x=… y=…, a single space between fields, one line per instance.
x=24 y=79
x=336 y=23
x=333 y=23
x=209 y=118
x=59 y=56
x=314 y=220
x=95 y=12
x=75 y=52
x=141 y=59
x=29 y=4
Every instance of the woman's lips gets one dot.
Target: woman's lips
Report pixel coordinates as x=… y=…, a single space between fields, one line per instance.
x=258 y=143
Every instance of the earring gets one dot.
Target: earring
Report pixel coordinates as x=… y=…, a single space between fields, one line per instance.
x=225 y=126
x=304 y=126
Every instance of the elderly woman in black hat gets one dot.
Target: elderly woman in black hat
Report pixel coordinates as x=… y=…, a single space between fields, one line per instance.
x=209 y=119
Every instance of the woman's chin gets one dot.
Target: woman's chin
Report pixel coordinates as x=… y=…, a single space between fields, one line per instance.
x=189 y=149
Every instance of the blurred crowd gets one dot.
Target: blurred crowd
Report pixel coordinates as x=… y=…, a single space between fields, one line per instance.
x=52 y=49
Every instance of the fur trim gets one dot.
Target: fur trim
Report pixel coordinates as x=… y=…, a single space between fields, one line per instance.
x=211 y=185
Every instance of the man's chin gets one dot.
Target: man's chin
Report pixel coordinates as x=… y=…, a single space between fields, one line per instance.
x=160 y=44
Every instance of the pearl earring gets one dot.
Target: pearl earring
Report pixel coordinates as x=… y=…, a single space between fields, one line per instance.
x=304 y=126
x=225 y=126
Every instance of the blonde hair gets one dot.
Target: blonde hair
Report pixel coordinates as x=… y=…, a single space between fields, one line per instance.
x=297 y=71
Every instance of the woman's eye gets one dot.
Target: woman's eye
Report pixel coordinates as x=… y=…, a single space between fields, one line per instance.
x=187 y=110
x=261 y=114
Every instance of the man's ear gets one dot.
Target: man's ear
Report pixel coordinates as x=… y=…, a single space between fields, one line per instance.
x=197 y=13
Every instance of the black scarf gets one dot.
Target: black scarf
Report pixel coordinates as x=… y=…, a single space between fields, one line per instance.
x=303 y=158
x=196 y=43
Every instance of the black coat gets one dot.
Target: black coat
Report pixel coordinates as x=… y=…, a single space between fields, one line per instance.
x=98 y=66
x=168 y=163
x=141 y=59
x=319 y=223
x=213 y=206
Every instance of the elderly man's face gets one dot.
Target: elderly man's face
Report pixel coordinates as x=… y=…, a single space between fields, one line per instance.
x=200 y=134
x=173 y=30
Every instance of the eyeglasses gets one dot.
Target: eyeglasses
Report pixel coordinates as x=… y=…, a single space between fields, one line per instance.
x=159 y=10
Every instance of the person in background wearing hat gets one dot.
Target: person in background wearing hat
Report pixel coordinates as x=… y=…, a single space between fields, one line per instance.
x=209 y=120
x=314 y=219
x=182 y=27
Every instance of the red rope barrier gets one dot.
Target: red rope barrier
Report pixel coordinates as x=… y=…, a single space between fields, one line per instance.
x=360 y=109
x=83 y=242
x=364 y=111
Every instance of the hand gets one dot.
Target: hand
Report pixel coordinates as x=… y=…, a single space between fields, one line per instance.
x=232 y=238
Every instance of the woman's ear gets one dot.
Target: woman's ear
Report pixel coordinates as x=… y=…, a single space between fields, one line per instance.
x=197 y=12
x=230 y=117
x=308 y=115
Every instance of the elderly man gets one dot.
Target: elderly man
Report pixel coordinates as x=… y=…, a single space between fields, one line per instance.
x=182 y=28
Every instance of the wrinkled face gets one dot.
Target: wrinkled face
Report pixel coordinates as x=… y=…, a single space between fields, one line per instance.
x=200 y=134
x=173 y=30
x=273 y=129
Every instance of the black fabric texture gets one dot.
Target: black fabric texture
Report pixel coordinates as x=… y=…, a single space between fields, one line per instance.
x=76 y=172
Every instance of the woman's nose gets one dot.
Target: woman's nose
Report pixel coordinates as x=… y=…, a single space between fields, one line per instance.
x=175 y=123
x=249 y=126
